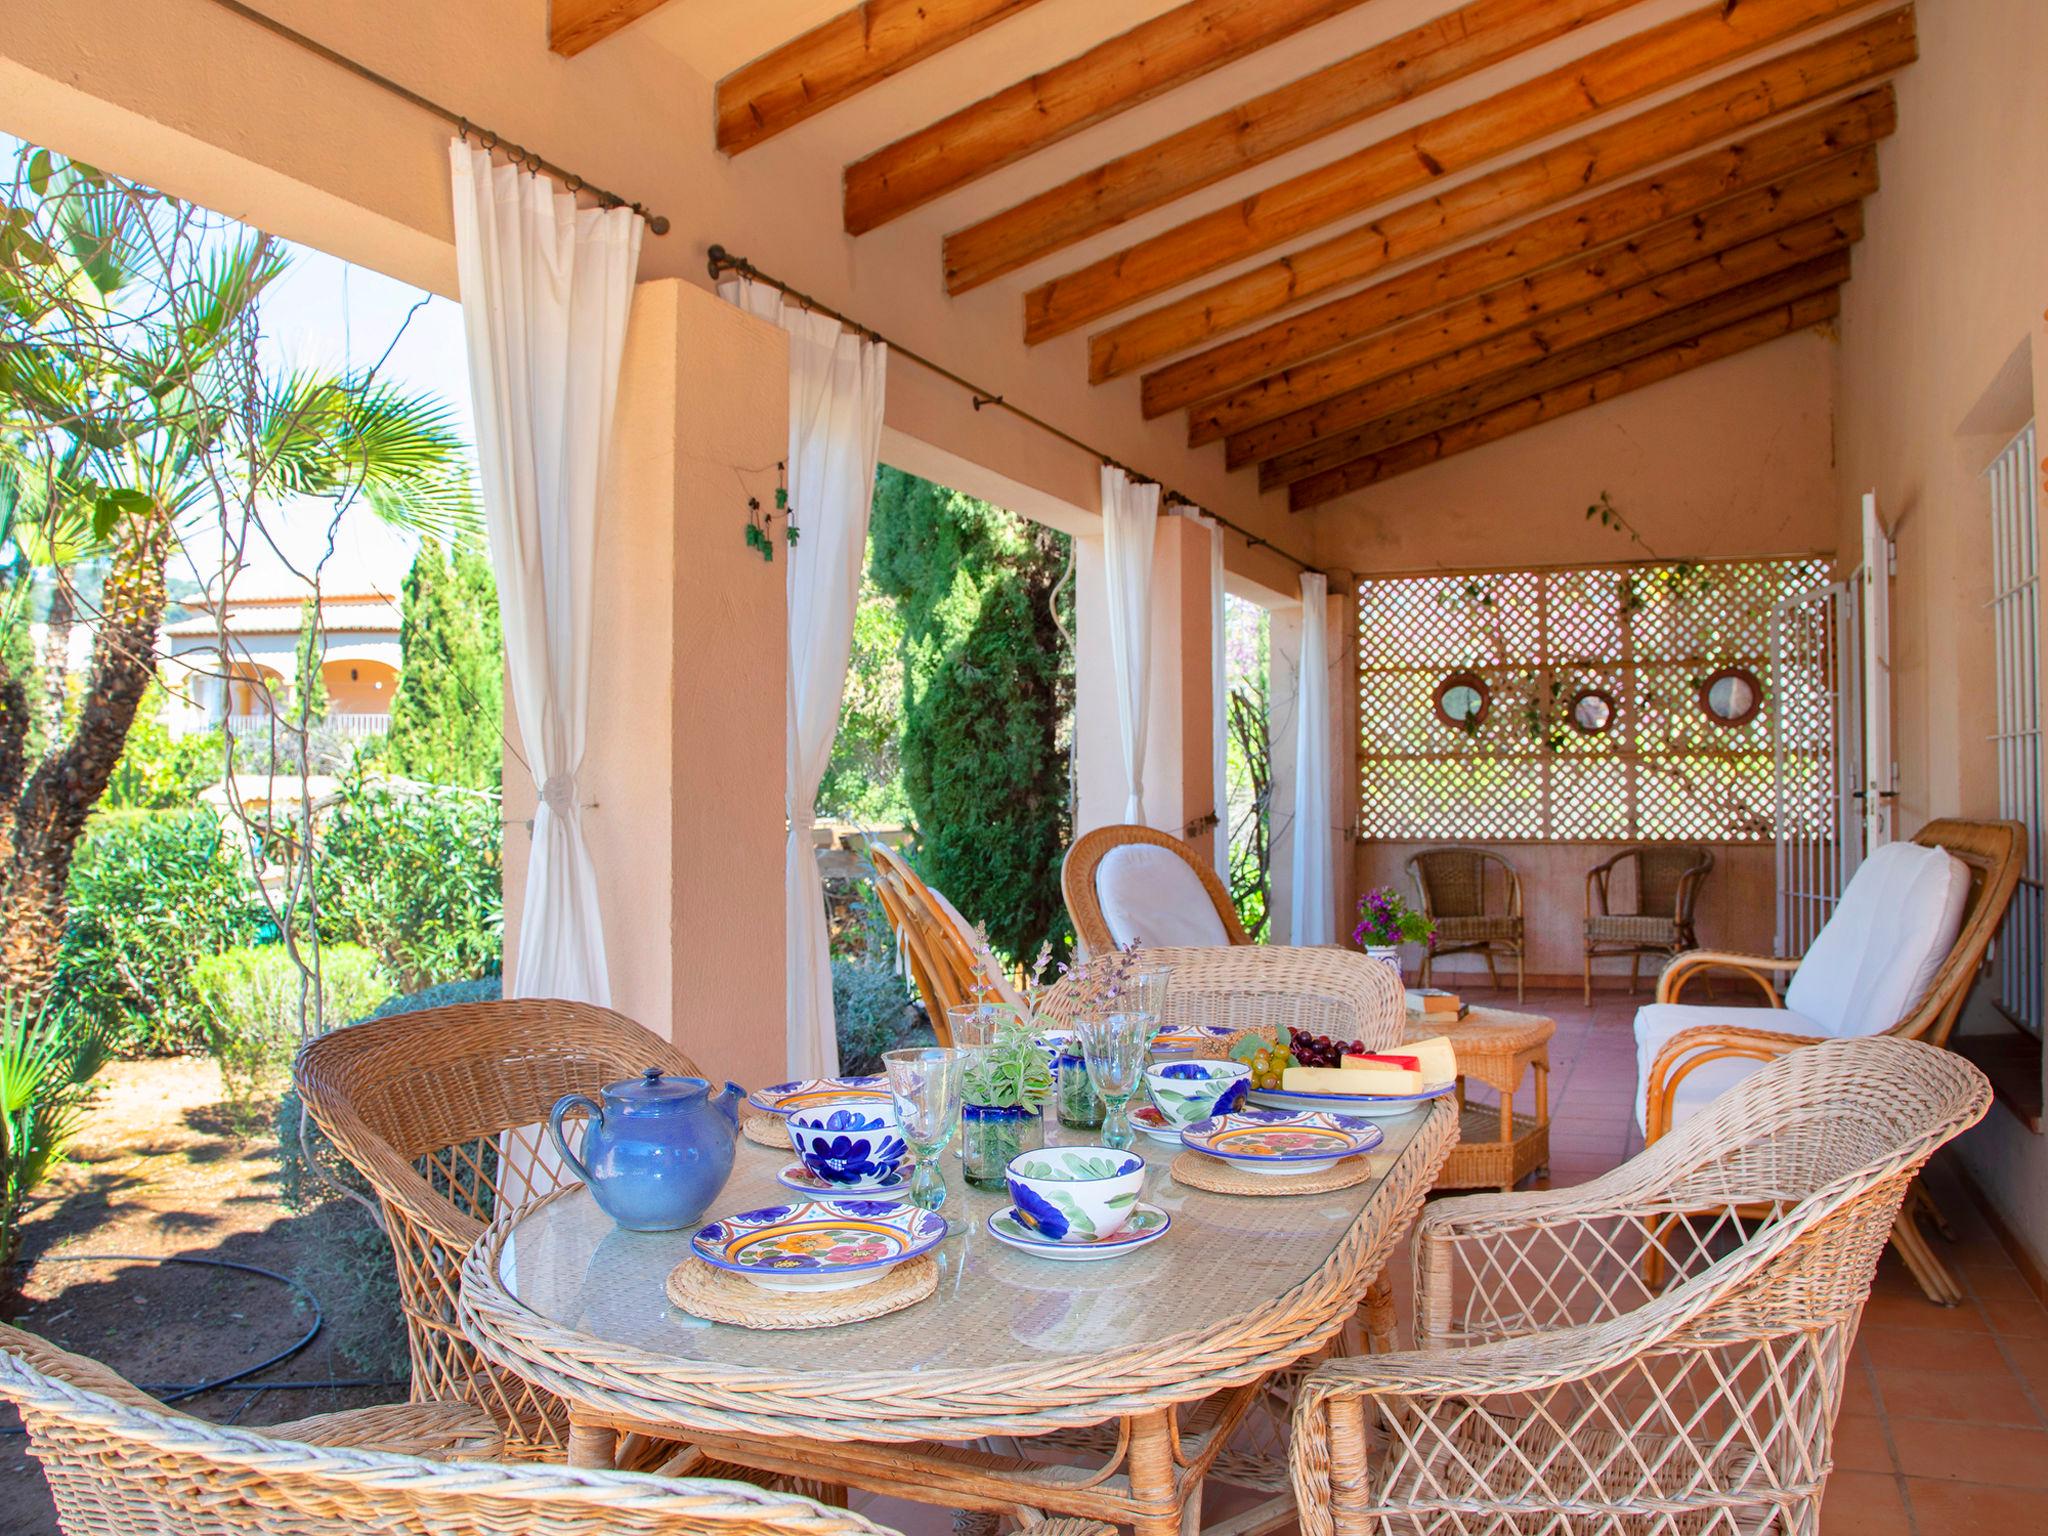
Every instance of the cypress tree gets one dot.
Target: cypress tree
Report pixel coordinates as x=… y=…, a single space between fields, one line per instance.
x=987 y=692
x=311 y=703
x=447 y=716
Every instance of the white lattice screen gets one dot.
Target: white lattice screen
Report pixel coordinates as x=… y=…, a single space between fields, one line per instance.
x=1648 y=638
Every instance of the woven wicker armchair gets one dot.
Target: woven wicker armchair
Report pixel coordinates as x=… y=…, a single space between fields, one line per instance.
x=1456 y=894
x=940 y=960
x=421 y=1104
x=1552 y=1390
x=1668 y=878
x=119 y=1463
x=1082 y=869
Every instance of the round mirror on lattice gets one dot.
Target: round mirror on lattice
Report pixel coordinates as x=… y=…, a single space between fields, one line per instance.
x=1731 y=696
x=1462 y=700
x=1592 y=712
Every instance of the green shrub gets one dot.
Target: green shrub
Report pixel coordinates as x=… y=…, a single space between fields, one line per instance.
x=874 y=1013
x=48 y=1057
x=446 y=994
x=253 y=1001
x=159 y=771
x=415 y=876
x=150 y=894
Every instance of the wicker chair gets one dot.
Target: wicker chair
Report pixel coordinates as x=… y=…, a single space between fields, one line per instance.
x=1552 y=1389
x=1457 y=896
x=1668 y=877
x=944 y=978
x=119 y=1463
x=1083 y=868
x=421 y=1104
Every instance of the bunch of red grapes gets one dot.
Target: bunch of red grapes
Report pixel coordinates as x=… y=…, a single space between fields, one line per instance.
x=1322 y=1051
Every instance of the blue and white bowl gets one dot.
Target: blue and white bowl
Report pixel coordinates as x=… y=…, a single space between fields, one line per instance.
x=818 y=1245
x=1075 y=1194
x=1186 y=1091
x=853 y=1145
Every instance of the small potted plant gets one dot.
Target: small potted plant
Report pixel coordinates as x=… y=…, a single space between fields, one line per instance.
x=1386 y=922
x=1006 y=1086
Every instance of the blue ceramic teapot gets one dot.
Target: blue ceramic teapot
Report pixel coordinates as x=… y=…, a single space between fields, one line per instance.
x=657 y=1151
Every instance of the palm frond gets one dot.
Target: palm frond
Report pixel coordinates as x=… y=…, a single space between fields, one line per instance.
x=332 y=435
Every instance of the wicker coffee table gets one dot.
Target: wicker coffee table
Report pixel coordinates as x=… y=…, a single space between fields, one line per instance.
x=1497 y=1148
x=1167 y=1348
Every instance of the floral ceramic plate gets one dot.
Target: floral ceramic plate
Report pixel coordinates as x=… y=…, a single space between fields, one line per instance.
x=808 y=1092
x=818 y=1245
x=1379 y=1106
x=1179 y=1039
x=1147 y=1224
x=1282 y=1141
x=799 y=1178
x=1153 y=1124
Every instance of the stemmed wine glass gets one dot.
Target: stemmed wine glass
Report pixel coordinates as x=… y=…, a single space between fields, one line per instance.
x=1117 y=1047
x=926 y=1085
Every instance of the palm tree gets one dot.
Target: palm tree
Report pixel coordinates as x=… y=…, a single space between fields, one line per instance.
x=133 y=399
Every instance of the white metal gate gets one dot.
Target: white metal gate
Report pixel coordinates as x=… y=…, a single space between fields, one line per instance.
x=2015 y=608
x=1816 y=755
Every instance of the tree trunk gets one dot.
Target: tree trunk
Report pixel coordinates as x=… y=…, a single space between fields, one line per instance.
x=57 y=658
x=49 y=815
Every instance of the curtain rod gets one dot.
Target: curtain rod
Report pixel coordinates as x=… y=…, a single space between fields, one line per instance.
x=722 y=261
x=518 y=154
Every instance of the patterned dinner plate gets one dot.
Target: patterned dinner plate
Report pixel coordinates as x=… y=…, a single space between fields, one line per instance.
x=818 y=1245
x=810 y=1091
x=1379 y=1106
x=1178 y=1039
x=1153 y=1124
x=1282 y=1141
x=799 y=1178
x=1147 y=1224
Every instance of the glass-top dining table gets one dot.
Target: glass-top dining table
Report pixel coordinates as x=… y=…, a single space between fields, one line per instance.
x=1168 y=1346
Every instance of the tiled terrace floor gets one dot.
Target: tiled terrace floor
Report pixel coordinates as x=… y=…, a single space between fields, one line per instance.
x=1943 y=1430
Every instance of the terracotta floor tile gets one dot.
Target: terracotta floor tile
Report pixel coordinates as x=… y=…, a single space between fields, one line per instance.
x=1973 y=1453
x=1993 y=1282
x=1864 y=1504
x=1932 y=1349
x=2017 y=1319
x=1860 y=1444
x=1859 y=1393
x=1891 y=1308
x=1973 y=1509
x=1976 y=1397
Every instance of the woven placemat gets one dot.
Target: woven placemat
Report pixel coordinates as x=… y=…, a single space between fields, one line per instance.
x=766 y=1131
x=723 y=1297
x=1202 y=1171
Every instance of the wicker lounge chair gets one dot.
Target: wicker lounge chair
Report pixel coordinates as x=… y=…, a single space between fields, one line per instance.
x=419 y=1103
x=1668 y=878
x=1457 y=896
x=1128 y=883
x=1552 y=1390
x=119 y=1463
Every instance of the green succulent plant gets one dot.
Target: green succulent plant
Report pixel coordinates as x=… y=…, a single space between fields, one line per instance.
x=1010 y=1070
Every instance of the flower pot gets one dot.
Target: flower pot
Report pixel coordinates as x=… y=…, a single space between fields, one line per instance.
x=992 y=1134
x=1388 y=955
x=1080 y=1106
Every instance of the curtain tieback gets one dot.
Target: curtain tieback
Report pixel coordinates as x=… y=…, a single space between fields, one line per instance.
x=558 y=794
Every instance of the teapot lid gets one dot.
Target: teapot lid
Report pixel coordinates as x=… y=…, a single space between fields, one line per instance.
x=654 y=1089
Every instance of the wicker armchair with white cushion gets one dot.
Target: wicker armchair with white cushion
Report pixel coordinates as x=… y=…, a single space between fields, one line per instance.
x=1128 y=884
x=1556 y=1386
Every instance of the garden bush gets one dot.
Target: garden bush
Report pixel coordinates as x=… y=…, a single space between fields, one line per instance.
x=252 y=1002
x=159 y=771
x=874 y=1014
x=151 y=893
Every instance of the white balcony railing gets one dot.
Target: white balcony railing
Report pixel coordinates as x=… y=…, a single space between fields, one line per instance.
x=350 y=727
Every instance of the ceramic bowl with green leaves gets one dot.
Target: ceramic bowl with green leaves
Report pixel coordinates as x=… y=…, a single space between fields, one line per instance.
x=1187 y=1091
x=1075 y=1194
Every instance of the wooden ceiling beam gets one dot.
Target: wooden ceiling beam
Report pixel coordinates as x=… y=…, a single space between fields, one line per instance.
x=1675 y=246
x=1856 y=57
x=1637 y=66
x=1183 y=44
x=1524 y=250
x=574 y=25
x=1563 y=399
x=1479 y=34
x=1309 y=429
x=840 y=58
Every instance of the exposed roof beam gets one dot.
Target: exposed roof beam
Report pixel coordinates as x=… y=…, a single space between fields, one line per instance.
x=1561 y=400
x=1675 y=246
x=574 y=25
x=1169 y=50
x=1525 y=249
x=1317 y=429
x=1680 y=127
x=1447 y=48
x=1611 y=77
x=841 y=58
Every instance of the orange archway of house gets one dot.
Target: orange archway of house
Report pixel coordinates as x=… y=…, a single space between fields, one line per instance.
x=359 y=687
x=252 y=689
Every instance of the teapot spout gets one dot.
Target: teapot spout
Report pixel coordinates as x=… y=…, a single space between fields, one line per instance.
x=728 y=1103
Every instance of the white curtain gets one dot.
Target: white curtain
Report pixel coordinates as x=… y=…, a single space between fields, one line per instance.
x=1130 y=518
x=836 y=380
x=1314 y=889
x=546 y=288
x=1219 y=695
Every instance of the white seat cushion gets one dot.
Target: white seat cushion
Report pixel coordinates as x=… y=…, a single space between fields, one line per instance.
x=1887 y=937
x=1656 y=1023
x=1149 y=895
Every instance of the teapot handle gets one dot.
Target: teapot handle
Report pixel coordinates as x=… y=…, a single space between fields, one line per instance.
x=563 y=1105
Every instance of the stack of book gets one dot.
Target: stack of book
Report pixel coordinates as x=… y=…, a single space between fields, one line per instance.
x=1435 y=1004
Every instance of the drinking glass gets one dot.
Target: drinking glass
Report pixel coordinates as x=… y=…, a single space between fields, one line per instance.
x=1117 y=1048
x=926 y=1086
x=975 y=1024
x=1145 y=992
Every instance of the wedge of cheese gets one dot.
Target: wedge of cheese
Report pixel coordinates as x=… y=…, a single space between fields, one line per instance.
x=1434 y=1056
x=1360 y=1081
x=1388 y=1072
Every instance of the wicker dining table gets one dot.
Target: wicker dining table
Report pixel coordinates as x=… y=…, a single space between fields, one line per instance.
x=1113 y=1386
